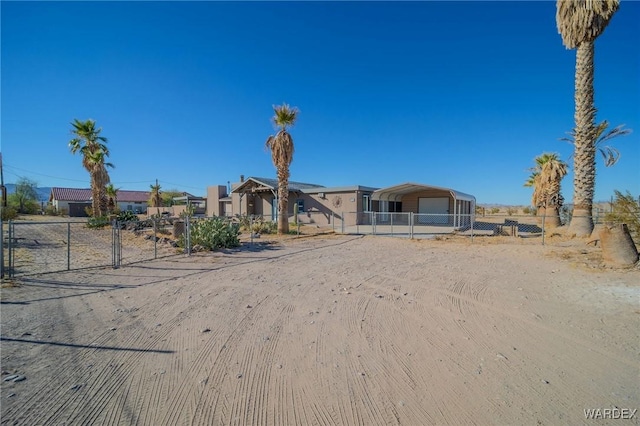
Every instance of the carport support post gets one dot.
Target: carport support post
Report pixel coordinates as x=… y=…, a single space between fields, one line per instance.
x=543 y=216
x=68 y=246
x=342 y=226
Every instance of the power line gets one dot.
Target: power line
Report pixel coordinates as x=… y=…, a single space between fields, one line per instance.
x=85 y=181
x=40 y=174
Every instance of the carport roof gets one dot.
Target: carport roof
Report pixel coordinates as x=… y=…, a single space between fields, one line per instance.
x=395 y=193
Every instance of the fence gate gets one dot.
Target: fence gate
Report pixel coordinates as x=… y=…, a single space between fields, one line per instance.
x=43 y=247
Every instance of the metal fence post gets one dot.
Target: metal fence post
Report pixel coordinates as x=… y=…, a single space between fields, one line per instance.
x=155 y=238
x=342 y=226
x=391 y=214
x=68 y=246
x=411 y=225
x=187 y=233
x=543 y=217
x=333 y=221
x=472 y=219
x=10 y=248
x=251 y=228
x=1 y=244
x=373 y=223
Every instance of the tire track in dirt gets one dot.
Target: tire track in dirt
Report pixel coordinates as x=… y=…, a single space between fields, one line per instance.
x=511 y=364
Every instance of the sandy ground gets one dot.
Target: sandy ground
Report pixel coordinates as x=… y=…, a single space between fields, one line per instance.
x=332 y=330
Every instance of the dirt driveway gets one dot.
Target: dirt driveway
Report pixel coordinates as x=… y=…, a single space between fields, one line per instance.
x=340 y=330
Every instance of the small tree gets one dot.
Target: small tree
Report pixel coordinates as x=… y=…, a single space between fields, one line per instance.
x=155 y=199
x=25 y=199
x=626 y=209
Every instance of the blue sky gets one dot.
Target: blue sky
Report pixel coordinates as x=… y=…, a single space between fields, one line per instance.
x=454 y=94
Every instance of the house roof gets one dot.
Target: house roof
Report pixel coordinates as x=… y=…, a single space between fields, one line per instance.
x=70 y=194
x=272 y=184
x=84 y=195
x=395 y=193
x=339 y=189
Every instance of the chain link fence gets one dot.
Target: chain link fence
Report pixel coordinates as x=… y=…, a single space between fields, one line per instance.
x=35 y=247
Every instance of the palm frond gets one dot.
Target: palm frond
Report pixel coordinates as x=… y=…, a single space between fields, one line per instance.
x=285 y=116
x=581 y=21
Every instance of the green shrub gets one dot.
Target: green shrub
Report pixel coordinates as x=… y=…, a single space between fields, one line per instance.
x=626 y=209
x=213 y=233
x=494 y=210
x=98 y=222
x=528 y=210
x=511 y=210
x=9 y=213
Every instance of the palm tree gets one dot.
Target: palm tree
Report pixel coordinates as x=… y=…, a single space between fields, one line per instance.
x=281 y=147
x=94 y=151
x=580 y=22
x=155 y=200
x=112 y=195
x=545 y=179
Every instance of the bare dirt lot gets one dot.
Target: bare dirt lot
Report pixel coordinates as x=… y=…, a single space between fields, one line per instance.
x=331 y=330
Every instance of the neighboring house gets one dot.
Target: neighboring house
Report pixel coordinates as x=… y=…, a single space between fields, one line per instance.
x=315 y=203
x=180 y=205
x=75 y=200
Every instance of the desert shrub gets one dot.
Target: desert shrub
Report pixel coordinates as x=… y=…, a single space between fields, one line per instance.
x=213 y=233
x=529 y=210
x=626 y=209
x=262 y=227
x=50 y=210
x=9 y=213
x=127 y=216
x=98 y=222
x=494 y=210
x=511 y=210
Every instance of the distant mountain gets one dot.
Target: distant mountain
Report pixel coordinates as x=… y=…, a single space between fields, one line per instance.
x=43 y=192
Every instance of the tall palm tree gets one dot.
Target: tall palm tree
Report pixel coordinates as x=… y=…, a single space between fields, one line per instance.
x=94 y=151
x=579 y=23
x=545 y=179
x=281 y=147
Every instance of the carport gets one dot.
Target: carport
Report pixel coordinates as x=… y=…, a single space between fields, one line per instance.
x=451 y=207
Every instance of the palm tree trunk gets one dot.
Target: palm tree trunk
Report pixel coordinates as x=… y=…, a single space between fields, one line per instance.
x=283 y=200
x=584 y=164
x=95 y=197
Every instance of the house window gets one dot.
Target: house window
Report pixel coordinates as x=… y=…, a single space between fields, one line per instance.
x=300 y=203
x=366 y=202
